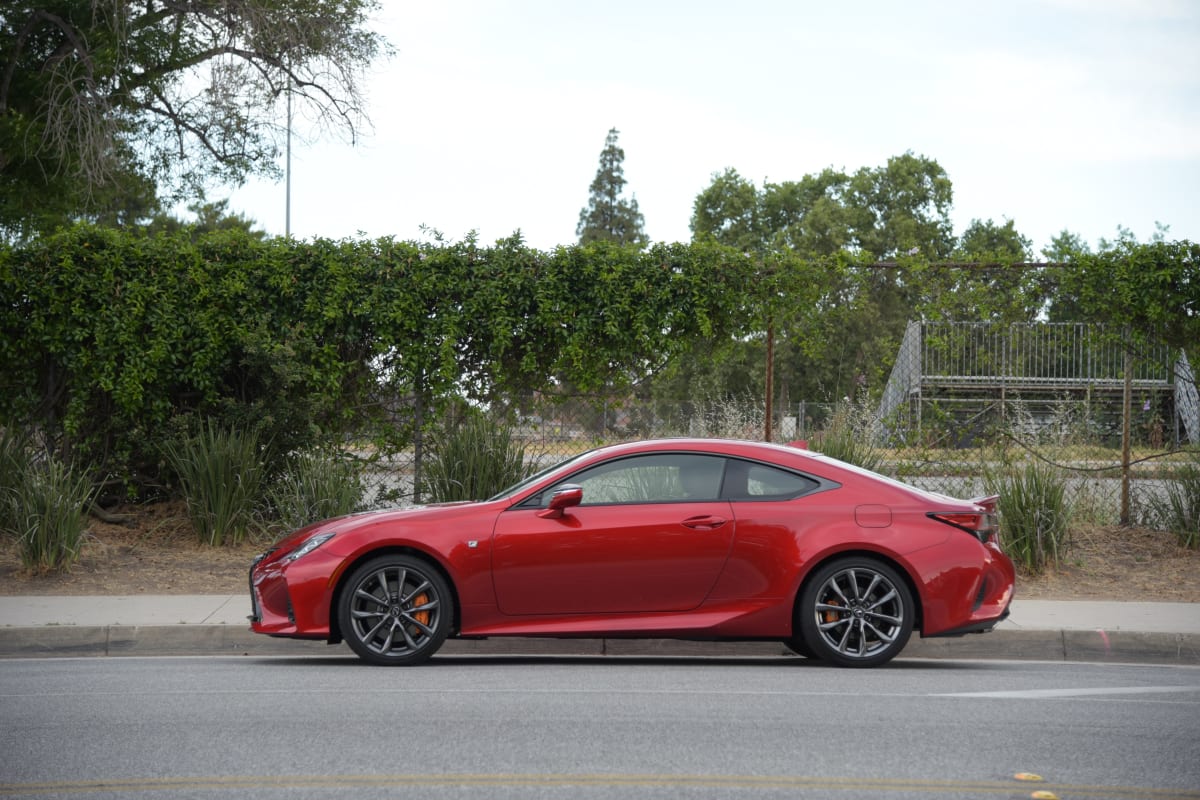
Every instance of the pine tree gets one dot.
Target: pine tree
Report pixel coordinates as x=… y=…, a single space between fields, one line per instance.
x=608 y=217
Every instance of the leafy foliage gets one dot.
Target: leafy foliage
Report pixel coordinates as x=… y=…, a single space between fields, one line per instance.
x=837 y=324
x=1152 y=290
x=113 y=336
x=106 y=101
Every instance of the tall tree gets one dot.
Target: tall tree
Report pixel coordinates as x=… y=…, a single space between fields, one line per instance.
x=993 y=282
x=902 y=208
x=103 y=102
x=609 y=217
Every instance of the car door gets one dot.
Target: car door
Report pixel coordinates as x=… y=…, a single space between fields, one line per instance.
x=650 y=535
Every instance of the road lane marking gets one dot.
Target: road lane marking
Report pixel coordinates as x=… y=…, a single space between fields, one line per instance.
x=1039 y=694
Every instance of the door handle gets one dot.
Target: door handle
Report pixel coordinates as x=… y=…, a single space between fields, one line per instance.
x=704 y=522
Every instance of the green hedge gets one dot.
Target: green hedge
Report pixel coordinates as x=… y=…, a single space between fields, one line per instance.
x=113 y=344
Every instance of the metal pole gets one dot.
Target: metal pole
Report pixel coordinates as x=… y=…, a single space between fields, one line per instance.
x=287 y=214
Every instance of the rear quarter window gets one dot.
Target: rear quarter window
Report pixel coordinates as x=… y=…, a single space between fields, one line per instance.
x=751 y=481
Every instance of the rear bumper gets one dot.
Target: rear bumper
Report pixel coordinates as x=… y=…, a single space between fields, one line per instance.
x=983 y=626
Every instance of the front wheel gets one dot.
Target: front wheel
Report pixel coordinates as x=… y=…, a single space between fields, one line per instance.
x=856 y=612
x=395 y=611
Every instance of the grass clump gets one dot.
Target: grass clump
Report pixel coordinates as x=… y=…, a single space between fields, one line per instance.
x=315 y=486
x=1177 y=507
x=850 y=436
x=48 y=515
x=1035 y=514
x=474 y=460
x=223 y=475
x=14 y=464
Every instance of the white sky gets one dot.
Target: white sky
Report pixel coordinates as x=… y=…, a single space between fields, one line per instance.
x=1076 y=114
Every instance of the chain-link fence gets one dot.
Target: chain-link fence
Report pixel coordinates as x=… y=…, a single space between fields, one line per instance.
x=964 y=403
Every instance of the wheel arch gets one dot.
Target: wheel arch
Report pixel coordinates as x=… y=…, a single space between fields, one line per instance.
x=901 y=570
x=335 y=597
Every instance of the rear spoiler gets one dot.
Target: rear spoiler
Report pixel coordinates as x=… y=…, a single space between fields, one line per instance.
x=988 y=502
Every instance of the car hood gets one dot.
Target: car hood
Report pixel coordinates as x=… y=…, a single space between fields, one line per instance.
x=362 y=519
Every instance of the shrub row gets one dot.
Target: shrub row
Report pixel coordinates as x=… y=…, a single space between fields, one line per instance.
x=114 y=344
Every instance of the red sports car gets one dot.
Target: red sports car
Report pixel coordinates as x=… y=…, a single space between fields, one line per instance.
x=676 y=538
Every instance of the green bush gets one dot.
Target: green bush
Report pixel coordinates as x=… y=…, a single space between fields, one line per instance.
x=48 y=514
x=473 y=461
x=315 y=486
x=1035 y=514
x=223 y=476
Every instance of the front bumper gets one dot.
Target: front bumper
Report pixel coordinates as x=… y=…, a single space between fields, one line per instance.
x=290 y=599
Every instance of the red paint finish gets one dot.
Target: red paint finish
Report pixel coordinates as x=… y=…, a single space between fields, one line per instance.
x=645 y=553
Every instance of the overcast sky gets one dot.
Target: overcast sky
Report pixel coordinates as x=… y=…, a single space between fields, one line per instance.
x=1075 y=114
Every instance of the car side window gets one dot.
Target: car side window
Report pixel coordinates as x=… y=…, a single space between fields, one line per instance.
x=752 y=481
x=656 y=478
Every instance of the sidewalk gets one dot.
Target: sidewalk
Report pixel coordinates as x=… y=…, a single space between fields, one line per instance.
x=160 y=625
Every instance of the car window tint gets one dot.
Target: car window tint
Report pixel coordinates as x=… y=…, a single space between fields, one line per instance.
x=657 y=478
x=763 y=482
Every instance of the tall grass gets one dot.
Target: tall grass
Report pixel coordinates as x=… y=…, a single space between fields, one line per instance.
x=222 y=474
x=1177 y=509
x=14 y=464
x=1035 y=514
x=850 y=436
x=48 y=514
x=315 y=486
x=474 y=460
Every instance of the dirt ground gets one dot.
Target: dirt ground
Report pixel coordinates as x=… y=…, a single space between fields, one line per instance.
x=156 y=553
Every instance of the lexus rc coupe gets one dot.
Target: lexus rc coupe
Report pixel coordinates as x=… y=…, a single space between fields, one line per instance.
x=676 y=538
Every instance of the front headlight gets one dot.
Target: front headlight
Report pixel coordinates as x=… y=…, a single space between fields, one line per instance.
x=309 y=544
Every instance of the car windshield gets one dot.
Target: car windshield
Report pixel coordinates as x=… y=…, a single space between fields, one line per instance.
x=532 y=479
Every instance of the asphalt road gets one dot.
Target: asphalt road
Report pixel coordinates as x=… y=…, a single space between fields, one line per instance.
x=513 y=727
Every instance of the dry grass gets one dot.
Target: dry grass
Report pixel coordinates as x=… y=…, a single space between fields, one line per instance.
x=1116 y=563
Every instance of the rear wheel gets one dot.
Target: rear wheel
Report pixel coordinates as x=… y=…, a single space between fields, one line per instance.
x=856 y=612
x=395 y=611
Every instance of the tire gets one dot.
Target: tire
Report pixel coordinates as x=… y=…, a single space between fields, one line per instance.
x=856 y=612
x=395 y=611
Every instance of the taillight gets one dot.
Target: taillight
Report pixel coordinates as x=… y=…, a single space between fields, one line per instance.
x=982 y=526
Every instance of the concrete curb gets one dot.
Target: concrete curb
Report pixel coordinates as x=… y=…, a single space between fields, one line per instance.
x=58 y=641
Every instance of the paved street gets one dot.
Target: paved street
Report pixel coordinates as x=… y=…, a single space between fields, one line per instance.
x=521 y=727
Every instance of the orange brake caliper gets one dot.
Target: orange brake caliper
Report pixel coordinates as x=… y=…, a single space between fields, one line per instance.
x=421 y=616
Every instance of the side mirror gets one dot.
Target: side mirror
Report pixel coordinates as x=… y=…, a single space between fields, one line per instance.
x=565 y=496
